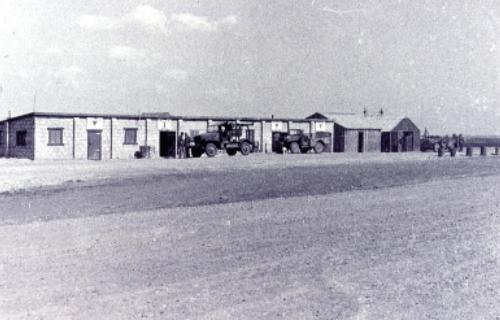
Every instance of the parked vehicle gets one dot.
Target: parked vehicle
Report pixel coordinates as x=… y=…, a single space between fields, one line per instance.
x=227 y=136
x=430 y=143
x=296 y=141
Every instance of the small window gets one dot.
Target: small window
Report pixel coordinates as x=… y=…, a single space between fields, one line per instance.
x=21 y=138
x=130 y=136
x=193 y=133
x=55 y=137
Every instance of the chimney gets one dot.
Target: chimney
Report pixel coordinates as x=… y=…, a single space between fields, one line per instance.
x=365 y=112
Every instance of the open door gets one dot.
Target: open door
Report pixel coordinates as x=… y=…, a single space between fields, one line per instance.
x=361 y=141
x=167 y=144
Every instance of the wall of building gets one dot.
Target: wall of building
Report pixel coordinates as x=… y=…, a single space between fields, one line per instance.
x=120 y=149
x=406 y=125
x=27 y=151
x=3 y=139
x=75 y=134
x=42 y=148
x=371 y=140
x=267 y=137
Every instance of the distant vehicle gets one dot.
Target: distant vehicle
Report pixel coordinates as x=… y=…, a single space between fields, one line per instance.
x=296 y=141
x=430 y=143
x=226 y=136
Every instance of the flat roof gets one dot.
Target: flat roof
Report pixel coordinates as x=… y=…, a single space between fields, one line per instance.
x=151 y=116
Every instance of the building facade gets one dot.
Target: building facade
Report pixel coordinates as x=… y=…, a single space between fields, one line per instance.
x=41 y=135
x=362 y=133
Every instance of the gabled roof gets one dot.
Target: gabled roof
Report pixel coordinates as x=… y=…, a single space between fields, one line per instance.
x=356 y=121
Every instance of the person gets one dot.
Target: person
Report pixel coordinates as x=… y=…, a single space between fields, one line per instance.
x=181 y=146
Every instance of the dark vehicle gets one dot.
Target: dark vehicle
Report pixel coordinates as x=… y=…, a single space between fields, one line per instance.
x=430 y=143
x=297 y=141
x=226 y=136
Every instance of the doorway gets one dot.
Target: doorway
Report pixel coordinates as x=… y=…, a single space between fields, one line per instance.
x=407 y=141
x=277 y=145
x=167 y=144
x=94 y=145
x=386 y=142
x=361 y=141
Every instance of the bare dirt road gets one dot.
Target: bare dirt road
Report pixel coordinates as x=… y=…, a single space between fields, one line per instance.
x=424 y=250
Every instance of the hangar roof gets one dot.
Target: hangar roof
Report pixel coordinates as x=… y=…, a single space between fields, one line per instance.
x=356 y=121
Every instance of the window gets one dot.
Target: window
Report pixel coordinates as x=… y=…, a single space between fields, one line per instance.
x=193 y=133
x=21 y=138
x=130 y=136
x=55 y=136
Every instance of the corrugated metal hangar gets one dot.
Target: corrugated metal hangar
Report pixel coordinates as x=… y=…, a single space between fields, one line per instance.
x=42 y=135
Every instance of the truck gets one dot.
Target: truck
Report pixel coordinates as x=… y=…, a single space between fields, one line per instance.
x=228 y=136
x=296 y=141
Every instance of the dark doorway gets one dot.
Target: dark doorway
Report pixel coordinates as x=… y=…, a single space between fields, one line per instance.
x=338 y=138
x=361 y=141
x=386 y=142
x=94 y=145
x=167 y=144
x=408 y=141
x=394 y=141
x=276 y=146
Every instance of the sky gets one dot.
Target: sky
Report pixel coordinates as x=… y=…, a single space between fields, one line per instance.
x=434 y=61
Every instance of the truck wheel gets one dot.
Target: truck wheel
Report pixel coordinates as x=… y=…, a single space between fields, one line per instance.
x=294 y=147
x=245 y=148
x=211 y=150
x=231 y=152
x=319 y=147
x=436 y=147
x=196 y=152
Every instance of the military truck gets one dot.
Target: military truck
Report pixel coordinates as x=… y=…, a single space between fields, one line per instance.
x=296 y=141
x=227 y=136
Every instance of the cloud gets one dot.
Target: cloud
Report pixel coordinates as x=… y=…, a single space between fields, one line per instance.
x=229 y=20
x=153 y=20
x=72 y=70
x=176 y=74
x=148 y=17
x=194 y=22
x=70 y=76
x=143 y=16
x=126 y=53
x=93 y=22
x=53 y=51
x=347 y=11
x=201 y=22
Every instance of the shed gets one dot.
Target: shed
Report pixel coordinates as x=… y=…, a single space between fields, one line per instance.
x=359 y=133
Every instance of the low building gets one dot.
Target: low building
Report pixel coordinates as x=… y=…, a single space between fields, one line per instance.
x=360 y=133
x=42 y=135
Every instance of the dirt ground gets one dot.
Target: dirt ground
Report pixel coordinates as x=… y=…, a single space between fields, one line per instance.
x=18 y=174
x=385 y=239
